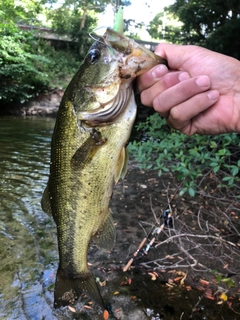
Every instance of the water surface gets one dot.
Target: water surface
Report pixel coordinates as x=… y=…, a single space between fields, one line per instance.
x=27 y=235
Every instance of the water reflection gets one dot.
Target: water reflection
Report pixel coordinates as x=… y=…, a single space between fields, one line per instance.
x=27 y=235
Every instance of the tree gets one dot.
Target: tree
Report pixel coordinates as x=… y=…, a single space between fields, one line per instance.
x=165 y=27
x=20 y=11
x=78 y=18
x=214 y=24
x=225 y=39
x=211 y=23
x=22 y=73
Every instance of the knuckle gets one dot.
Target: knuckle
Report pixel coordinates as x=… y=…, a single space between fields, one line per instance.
x=158 y=104
x=176 y=115
x=184 y=89
x=168 y=80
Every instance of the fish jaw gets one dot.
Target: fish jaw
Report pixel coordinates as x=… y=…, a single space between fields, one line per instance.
x=138 y=62
x=134 y=59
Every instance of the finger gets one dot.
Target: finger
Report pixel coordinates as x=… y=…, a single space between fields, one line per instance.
x=168 y=80
x=181 y=117
x=147 y=79
x=178 y=55
x=179 y=93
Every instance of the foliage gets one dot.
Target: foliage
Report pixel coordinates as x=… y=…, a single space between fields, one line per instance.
x=27 y=65
x=188 y=158
x=78 y=18
x=165 y=27
x=20 y=11
x=225 y=39
x=76 y=25
x=20 y=65
x=61 y=66
x=214 y=24
x=222 y=278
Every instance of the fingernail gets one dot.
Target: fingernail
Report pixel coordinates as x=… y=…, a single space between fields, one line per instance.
x=183 y=76
x=203 y=81
x=213 y=95
x=159 y=71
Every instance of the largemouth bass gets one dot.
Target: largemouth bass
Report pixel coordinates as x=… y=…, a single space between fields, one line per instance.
x=88 y=157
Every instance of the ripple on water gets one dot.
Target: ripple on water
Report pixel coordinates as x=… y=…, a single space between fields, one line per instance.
x=27 y=235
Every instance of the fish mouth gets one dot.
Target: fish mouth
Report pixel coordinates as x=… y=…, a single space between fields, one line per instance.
x=131 y=60
x=134 y=59
x=138 y=62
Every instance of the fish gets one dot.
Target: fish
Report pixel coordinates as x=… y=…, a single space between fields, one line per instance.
x=88 y=157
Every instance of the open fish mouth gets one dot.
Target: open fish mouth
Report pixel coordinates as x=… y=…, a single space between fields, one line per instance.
x=133 y=60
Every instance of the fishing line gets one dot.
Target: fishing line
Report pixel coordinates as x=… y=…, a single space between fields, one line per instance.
x=97 y=37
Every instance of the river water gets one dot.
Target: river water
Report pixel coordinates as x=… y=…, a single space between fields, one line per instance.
x=28 y=244
x=27 y=235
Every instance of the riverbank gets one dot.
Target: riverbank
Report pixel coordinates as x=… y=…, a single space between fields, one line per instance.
x=45 y=104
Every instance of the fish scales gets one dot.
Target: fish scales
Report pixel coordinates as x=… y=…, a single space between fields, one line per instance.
x=88 y=157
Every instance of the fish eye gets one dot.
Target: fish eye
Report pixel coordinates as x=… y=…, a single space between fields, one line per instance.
x=94 y=55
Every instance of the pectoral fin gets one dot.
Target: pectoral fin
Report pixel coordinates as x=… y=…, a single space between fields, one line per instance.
x=121 y=165
x=125 y=164
x=88 y=150
x=106 y=235
x=45 y=202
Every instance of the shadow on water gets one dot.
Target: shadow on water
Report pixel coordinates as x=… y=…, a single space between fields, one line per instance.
x=28 y=246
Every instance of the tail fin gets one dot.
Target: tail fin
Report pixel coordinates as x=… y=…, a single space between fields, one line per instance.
x=67 y=290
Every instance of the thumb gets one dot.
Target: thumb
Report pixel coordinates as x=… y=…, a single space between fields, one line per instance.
x=176 y=55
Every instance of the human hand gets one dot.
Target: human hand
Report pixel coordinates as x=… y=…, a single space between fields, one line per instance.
x=200 y=93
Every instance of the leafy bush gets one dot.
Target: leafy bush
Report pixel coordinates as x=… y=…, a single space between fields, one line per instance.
x=188 y=158
x=29 y=65
x=20 y=67
x=62 y=64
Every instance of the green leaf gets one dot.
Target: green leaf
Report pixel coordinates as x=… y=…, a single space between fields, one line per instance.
x=218 y=278
x=216 y=169
x=191 y=192
x=234 y=170
x=213 y=164
x=213 y=145
x=183 y=191
x=226 y=178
